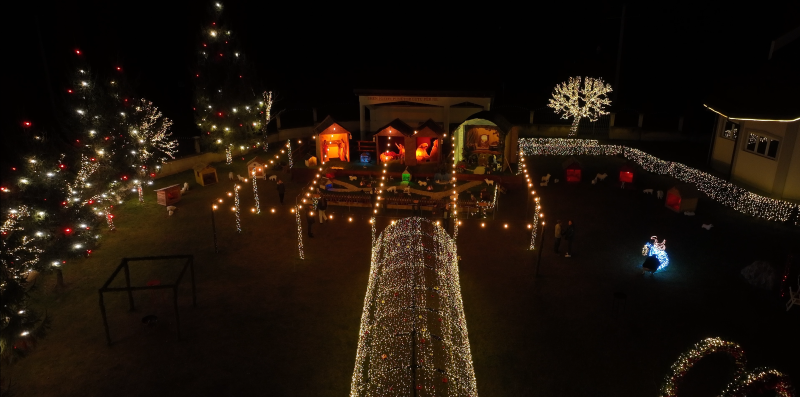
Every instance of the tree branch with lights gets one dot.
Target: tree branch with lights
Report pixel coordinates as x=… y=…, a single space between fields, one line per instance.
x=572 y=100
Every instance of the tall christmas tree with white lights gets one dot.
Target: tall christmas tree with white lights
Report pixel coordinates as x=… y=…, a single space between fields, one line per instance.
x=576 y=102
x=229 y=107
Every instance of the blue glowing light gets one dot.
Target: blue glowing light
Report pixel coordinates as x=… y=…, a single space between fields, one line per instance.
x=658 y=250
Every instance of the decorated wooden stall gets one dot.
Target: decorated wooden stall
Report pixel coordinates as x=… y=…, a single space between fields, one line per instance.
x=428 y=141
x=168 y=195
x=205 y=174
x=626 y=173
x=572 y=170
x=256 y=168
x=486 y=139
x=393 y=140
x=333 y=141
x=682 y=198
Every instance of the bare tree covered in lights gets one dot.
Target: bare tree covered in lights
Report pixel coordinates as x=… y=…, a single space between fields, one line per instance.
x=229 y=107
x=572 y=100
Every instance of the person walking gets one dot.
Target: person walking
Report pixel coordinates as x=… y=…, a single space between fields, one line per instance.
x=557 y=244
x=310 y=221
x=322 y=205
x=281 y=189
x=569 y=234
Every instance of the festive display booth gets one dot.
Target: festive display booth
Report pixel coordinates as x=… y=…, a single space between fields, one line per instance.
x=428 y=141
x=392 y=140
x=572 y=170
x=682 y=198
x=485 y=139
x=403 y=345
x=626 y=173
x=333 y=141
x=169 y=195
x=256 y=168
x=205 y=174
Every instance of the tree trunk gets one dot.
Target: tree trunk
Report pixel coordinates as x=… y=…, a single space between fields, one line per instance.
x=574 y=129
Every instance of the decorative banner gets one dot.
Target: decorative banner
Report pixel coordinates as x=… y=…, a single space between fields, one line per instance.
x=413 y=337
x=743 y=381
x=726 y=193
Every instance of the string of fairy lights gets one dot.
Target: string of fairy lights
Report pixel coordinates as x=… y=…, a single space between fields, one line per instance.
x=236 y=208
x=413 y=336
x=724 y=192
x=537 y=214
x=743 y=381
x=255 y=192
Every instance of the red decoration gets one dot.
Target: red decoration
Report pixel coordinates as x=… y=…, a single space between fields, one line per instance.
x=119 y=68
x=67 y=230
x=78 y=52
x=26 y=123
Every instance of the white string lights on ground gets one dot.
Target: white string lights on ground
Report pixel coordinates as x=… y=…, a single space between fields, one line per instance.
x=718 y=189
x=413 y=338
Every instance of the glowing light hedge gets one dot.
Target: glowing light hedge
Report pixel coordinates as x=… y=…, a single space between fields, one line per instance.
x=413 y=338
x=720 y=190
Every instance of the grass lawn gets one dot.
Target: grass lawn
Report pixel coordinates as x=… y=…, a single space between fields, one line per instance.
x=268 y=323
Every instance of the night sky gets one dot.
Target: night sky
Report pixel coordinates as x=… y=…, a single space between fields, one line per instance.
x=315 y=55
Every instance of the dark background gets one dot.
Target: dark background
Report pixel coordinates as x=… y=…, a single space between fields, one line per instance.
x=674 y=55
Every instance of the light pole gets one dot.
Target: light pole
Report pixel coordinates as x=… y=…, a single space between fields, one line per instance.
x=214 y=227
x=541 y=248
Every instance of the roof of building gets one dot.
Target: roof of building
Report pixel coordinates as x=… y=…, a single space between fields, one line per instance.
x=398 y=125
x=687 y=190
x=430 y=93
x=256 y=160
x=201 y=166
x=571 y=163
x=768 y=93
x=327 y=122
x=494 y=117
x=432 y=125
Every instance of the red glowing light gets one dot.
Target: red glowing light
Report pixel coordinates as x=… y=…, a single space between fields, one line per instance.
x=69 y=91
x=197 y=75
x=119 y=68
x=67 y=230
x=220 y=54
x=152 y=175
x=91 y=201
x=26 y=123
x=204 y=45
x=240 y=76
x=62 y=166
x=124 y=177
x=111 y=216
x=220 y=114
x=93 y=159
x=63 y=203
x=78 y=52
x=126 y=99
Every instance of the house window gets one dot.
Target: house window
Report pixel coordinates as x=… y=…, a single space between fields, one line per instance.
x=763 y=144
x=731 y=130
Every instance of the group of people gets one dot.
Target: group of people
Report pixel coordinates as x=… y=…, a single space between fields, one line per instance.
x=567 y=233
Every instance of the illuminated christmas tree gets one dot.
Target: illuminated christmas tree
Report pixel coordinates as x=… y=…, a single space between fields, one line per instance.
x=576 y=102
x=229 y=108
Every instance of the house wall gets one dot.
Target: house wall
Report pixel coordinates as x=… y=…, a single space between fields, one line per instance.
x=723 y=148
x=752 y=169
x=791 y=187
x=413 y=116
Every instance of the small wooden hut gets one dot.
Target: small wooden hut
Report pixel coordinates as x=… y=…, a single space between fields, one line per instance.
x=395 y=143
x=428 y=140
x=682 y=198
x=257 y=168
x=572 y=170
x=626 y=173
x=333 y=141
x=205 y=174
x=169 y=195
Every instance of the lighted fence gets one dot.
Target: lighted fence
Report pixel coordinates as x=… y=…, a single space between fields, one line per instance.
x=726 y=193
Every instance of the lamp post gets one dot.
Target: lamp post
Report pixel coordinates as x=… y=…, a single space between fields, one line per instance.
x=541 y=248
x=214 y=227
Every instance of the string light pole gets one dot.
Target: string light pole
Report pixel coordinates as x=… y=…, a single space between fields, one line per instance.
x=299 y=231
x=228 y=155
x=236 y=208
x=214 y=227
x=268 y=109
x=255 y=192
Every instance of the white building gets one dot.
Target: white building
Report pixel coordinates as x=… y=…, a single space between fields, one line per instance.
x=758 y=150
x=446 y=108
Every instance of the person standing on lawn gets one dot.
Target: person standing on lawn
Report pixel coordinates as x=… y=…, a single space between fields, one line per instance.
x=569 y=235
x=322 y=205
x=310 y=221
x=281 y=189
x=557 y=244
